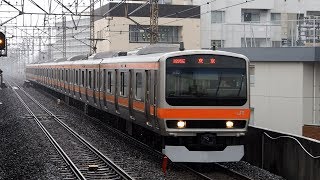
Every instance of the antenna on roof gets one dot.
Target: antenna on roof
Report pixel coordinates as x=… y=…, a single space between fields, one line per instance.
x=181 y=48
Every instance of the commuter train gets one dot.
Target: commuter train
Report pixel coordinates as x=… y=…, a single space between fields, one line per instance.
x=197 y=101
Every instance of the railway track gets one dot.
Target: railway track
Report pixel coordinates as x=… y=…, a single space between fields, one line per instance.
x=219 y=172
x=82 y=160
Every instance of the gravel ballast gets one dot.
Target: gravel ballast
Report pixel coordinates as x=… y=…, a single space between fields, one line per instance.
x=33 y=150
x=24 y=150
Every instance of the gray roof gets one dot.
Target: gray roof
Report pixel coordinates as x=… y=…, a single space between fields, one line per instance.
x=177 y=11
x=283 y=54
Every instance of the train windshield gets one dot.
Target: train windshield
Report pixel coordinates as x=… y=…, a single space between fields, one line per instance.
x=206 y=80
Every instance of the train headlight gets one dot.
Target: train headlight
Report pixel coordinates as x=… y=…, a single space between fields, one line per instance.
x=229 y=124
x=181 y=124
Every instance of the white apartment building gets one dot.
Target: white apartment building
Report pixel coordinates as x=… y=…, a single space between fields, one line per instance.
x=260 y=23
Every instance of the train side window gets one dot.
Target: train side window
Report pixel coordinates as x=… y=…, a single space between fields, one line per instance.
x=90 y=80
x=97 y=80
x=109 y=82
x=94 y=79
x=139 y=88
x=62 y=75
x=67 y=77
x=82 y=78
x=103 y=81
x=77 y=76
x=71 y=74
x=121 y=83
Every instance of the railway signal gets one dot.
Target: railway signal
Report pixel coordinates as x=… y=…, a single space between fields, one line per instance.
x=2 y=41
x=3 y=44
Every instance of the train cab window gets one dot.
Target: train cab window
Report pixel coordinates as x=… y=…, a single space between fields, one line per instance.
x=77 y=76
x=82 y=78
x=138 y=90
x=109 y=89
x=90 y=80
x=123 y=84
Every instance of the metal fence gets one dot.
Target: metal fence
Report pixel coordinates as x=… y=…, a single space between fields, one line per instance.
x=304 y=32
x=292 y=157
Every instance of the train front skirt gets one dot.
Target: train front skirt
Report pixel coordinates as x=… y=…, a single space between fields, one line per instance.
x=182 y=154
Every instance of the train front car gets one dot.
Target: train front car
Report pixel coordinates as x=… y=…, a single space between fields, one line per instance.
x=204 y=105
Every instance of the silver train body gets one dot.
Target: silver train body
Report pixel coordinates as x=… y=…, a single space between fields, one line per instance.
x=198 y=100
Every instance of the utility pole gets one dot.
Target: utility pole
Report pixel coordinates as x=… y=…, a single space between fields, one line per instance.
x=64 y=37
x=154 y=14
x=92 y=45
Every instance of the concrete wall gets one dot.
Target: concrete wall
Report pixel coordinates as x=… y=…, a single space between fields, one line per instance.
x=116 y=30
x=283 y=95
x=277 y=96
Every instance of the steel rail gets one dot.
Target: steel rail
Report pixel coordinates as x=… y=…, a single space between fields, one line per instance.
x=105 y=159
x=66 y=158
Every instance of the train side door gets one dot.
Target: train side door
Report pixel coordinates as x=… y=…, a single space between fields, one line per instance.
x=116 y=92
x=147 y=96
x=155 y=82
x=94 y=86
x=131 y=96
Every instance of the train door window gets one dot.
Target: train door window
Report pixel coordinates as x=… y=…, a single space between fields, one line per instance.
x=123 y=84
x=70 y=76
x=82 y=78
x=90 y=80
x=103 y=81
x=139 y=88
x=109 y=82
x=77 y=76
x=97 y=80
x=62 y=75
x=67 y=77
x=94 y=79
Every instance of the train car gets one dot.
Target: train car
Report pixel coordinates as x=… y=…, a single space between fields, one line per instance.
x=197 y=101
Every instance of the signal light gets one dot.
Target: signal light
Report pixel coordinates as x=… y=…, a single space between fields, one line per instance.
x=2 y=41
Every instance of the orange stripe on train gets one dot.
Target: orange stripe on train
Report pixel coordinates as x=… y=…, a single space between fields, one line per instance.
x=164 y=113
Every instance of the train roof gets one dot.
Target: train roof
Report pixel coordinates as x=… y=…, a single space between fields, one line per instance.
x=141 y=58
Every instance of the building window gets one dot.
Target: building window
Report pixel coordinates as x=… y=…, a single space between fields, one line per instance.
x=276 y=43
x=167 y=34
x=217 y=43
x=250 y=15
x=276 y=18
x=217 y=16
x=255 y=42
